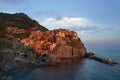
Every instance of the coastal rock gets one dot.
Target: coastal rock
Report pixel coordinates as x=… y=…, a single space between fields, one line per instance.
x=58 y=44
x=66 y=51
x=9 y=49
x=89 y=54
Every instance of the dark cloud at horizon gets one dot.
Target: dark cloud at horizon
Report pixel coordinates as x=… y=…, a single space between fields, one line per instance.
x=96 y=29
x=13 y=1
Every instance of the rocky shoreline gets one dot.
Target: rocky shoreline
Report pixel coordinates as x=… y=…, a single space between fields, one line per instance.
x=4 y=73
x=52 y=47
x=91 y=55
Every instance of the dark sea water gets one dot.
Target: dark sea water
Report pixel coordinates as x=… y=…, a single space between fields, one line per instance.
x=80 y=70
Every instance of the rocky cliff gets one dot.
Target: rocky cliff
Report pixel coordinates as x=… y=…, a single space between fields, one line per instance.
x=57 y=44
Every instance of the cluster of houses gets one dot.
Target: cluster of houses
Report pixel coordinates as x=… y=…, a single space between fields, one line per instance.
x=45 y=42
x=16 y=30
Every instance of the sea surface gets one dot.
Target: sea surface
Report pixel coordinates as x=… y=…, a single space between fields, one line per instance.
x=80 y=70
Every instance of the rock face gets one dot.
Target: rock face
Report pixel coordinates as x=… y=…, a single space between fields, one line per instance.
x=58 y=44
x=9 y=49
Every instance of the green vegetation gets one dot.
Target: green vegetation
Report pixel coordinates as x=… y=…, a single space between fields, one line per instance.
x=20 y=20
x=2 y=31
x=4 y=43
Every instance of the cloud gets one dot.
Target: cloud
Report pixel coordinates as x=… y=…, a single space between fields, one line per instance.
x=81 y=25
x=65 y=22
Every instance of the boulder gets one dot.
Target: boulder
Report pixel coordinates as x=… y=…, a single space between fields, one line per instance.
x=89 y=54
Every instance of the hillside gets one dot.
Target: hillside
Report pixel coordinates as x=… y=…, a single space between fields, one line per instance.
x=20 y=20
x=18 y=25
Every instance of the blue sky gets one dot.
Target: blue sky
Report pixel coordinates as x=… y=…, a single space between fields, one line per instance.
x=97 y=22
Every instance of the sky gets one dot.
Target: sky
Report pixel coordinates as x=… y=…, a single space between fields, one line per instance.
x=97 y=22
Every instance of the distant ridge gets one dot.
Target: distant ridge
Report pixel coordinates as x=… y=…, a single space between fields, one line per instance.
x=19 y=20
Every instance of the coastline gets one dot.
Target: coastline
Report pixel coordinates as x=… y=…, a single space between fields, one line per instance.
x=4 y=74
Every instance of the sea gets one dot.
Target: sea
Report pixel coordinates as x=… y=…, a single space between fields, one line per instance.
x=86 y=69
